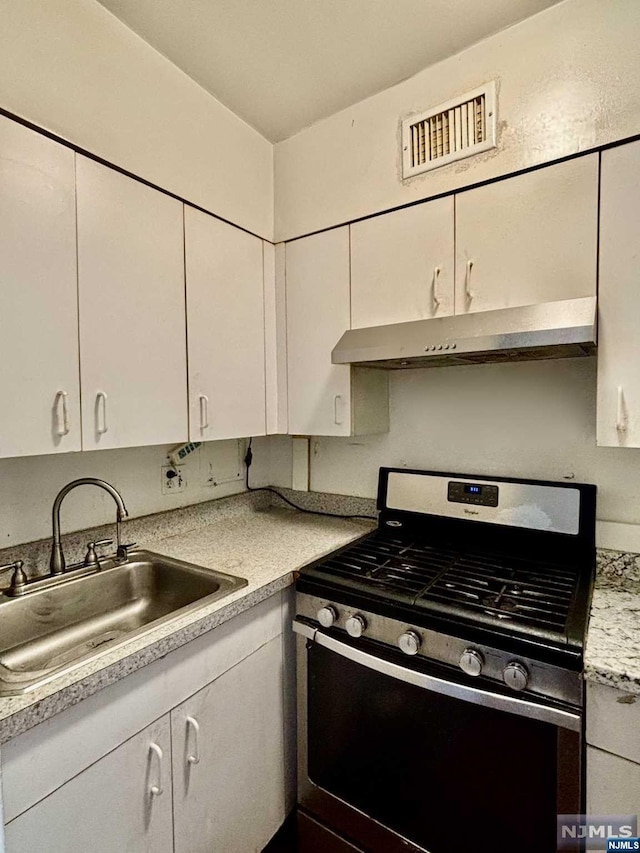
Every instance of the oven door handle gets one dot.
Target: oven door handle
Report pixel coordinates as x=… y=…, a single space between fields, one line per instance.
x=510 y=704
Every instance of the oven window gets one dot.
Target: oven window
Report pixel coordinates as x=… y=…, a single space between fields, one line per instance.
x=446 y=774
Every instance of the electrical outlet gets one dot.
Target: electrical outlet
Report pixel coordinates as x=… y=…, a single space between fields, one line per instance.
x=173 y=479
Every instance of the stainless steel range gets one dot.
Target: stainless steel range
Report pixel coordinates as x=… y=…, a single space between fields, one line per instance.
x=440 y=690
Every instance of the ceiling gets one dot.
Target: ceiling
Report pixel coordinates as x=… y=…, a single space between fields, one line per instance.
x=282 y=65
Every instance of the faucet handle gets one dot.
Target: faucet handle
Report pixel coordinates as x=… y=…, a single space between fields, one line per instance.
x=18 y=578
x=91 y=557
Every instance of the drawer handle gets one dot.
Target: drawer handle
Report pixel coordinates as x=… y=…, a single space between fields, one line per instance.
x=336 y=407
x=467 y=282
x=101 y=406
x=62 y=413
x=204 y=411
x=194 y=726
x=621 y=414
x=436 y=299
x=154 y=750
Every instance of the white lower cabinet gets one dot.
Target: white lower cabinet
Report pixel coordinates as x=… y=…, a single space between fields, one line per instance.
x=190 y=754
x=613 y=751
x=228 y=755
x=120 y=803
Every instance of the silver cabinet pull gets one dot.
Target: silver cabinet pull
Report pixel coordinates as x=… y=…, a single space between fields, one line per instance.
x=467 y=282
x=336 y=407
x=101 y=413
x=204 y=411
x=157 y=789
x=621 y=414
x=62 y=413
x=435 y=298
x=194 y=726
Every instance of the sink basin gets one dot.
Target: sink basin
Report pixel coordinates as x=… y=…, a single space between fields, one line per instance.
x=52 y=631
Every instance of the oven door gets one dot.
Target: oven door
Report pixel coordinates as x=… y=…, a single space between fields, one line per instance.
x=396 y=758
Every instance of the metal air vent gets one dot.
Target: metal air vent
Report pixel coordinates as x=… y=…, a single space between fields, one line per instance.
x=451 y=131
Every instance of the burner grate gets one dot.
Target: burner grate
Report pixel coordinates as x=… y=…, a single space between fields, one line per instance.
x=523 y=593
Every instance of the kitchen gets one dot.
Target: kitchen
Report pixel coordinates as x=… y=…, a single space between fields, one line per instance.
x=106 y=372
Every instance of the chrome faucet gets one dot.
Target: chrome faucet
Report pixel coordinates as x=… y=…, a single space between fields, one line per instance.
x=57 y=563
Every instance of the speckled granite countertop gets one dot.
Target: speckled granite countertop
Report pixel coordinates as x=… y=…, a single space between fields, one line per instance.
x=612 y=655
x=245 y=536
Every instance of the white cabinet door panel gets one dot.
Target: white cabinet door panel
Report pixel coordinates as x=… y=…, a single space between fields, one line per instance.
x=528 y=239
x=402 y=265
x=39 y=371
x=228 y=759
x=318 y=313
x=613 y=784
x=225 y=320
x=618 y=422
x=109 y=807
x=132 y=311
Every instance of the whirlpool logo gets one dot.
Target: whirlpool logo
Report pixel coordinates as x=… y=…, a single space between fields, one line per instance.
x=598 y=832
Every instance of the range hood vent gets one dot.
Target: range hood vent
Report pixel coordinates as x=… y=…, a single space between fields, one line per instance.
x=563 y=329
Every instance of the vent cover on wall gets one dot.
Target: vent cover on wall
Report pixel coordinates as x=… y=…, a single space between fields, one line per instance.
x=451 y=131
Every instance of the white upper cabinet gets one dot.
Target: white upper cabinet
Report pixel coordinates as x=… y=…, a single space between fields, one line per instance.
x=325 y=398
x=402 y=265
x=528 y=239
x=39 y=379
x=132 y=311
x=618 y=421
x=226 y=330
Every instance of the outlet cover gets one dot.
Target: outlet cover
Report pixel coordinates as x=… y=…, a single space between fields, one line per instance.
x=173 y=479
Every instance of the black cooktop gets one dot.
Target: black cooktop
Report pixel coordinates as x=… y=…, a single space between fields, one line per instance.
x=514 y=593
x=438 y=562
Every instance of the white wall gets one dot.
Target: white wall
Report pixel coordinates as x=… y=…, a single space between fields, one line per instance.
x=29 y=485
x=568 y=80
x=531 y=420
x=71 y=67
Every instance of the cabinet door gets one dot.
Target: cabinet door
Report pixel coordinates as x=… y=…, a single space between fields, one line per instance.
x=619 y=299
x=402 y=265
x=613 y=784
x=132 y=311
x=528 y=239
x=318 y=313
x=225 y=319
x=39 y=376
x=120 y=803
x=228 y=759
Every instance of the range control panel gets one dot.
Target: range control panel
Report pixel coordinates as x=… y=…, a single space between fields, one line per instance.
x=481 y=494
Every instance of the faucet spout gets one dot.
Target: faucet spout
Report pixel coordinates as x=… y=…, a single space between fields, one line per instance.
x=57 y=563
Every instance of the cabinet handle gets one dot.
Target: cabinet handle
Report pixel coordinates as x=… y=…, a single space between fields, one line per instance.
x=204 y=411
x=467 y=282
x=101 y=423
x=436 y=299
x=621 y=415
x=336 y=420
x=156 y=790
x=193 y=757
x=62 y=416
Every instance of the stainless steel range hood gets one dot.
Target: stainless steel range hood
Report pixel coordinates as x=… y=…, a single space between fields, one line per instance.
x=549 y=330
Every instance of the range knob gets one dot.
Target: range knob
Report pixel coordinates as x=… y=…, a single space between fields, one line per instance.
x=471 y=662
x=327 y=616
x=515 y=676
x=409 y=643
x=356 y=626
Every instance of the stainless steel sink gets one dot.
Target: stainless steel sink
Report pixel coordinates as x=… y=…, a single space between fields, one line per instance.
x=55 y=630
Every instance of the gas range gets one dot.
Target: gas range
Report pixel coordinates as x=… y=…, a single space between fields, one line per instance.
x=493 y=576
x=440 y=668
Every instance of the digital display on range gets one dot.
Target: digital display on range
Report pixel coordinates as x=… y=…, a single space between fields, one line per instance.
x=484 y=494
